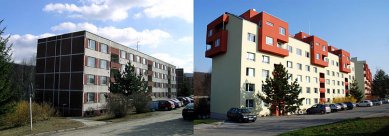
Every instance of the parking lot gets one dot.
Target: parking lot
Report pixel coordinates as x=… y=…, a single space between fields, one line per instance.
x=277 y=125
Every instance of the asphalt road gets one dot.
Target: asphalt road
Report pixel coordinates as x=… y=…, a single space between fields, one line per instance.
x=277 y=125
x=169 y=123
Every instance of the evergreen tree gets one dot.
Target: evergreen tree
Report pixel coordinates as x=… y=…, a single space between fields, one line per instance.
x=133 y=86
x=355 y=91
x=278 y=92
x=6 y=93
x=380 y=87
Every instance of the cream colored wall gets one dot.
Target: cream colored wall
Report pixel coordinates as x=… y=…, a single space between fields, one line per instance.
x=225 y=86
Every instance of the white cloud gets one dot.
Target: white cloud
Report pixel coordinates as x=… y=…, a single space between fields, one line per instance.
x=117 y=10
x=186 y=40
x=185 y=62
x=24 y=46
x=126 y=36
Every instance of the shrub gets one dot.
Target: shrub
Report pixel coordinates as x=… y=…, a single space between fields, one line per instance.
x=118 y=104
x=20 y=115
x=141 y=102
x=344 y=99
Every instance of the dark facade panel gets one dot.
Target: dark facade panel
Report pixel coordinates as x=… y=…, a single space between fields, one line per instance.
x=58 y=48
x=56 y=98
x=48 y=96
x=65 y=46
x=50 y=49
x=63 y=99
x=76 y=101
x=41 y=50
x=57 y=64
x=50 y=65
x=38 y=96
x=64 y=83
x=66 y=35
x=78 y=45
x=49 y=80
x=65 y=64
x=40 y=65
x=77 y=63
x=76 y=82
x=79 y=33
x=52 y=38
x=42 y=40
x=57 y=80
x=39 y=81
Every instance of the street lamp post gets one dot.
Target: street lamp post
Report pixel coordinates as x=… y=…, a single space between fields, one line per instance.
x=30 y=91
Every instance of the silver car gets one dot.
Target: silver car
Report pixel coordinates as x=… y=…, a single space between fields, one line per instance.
x=377 y=102
x=365 y=103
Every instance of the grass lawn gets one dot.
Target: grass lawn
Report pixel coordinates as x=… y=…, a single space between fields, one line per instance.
x=54 y=123
x=204 y=121
x=359 y=126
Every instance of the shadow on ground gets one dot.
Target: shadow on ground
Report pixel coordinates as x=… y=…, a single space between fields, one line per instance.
x=166 y=128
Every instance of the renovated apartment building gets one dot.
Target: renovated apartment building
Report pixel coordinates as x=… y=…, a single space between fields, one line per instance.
x=363 y=77
x=73 y=71
x=245 y=48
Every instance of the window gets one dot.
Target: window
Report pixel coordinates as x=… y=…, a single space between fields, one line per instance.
x=269 y=40
x=103 y=64
x=137 y=59
x=279 y=45
x=104 y=48
x=315 y=69
x=324 y=48
x=102 y=98
x=92 y=44
x=251 y=37
x=249 y=103
x=338 y=91
x=307 y=54
x=307 y=68
x=328 y=81
x=269 y=23
x=342 y=83
x=91 y=97
x=210 y=33
x=332 y=62
x=144 y=61
x=250 y=87
x=337 y=64
x=290 y=48
x=333 y=73
x=328 y=72
x=250 y=72
x=315 y=79
x=217 y=42
x=342 y=91
x=328 y=91
x=91 y=62
x=308 y=90
x=338 y=82
x=289 y=64
x=308 y=101
x=91 y=79
x=265 y=73
x=265 y=59
x=290 y=77
x=333 y=82
x=317 y=56
x=103 y=80
x=122 y=54
x=333 y=91
x=307 y=79
x=337 y=73
x=299 y=66
x=131 y=57
x=316 y=90
x=298 y=51
x=282 y=31
x=299 y=78
x=316 y=100
x=250 y=56
x=328 y=100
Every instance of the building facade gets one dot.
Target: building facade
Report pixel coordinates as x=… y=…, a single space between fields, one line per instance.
x=363 y=77
x=245 y=48
x=73 y=71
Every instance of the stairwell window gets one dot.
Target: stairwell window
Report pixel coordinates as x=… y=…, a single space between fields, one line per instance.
x=282 y=31
x=251 y=37
x=269 y=40
x=249 y=103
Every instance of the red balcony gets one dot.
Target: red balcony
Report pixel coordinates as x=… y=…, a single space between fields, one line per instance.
x=322 y=90
x=221 y=48
x=346 y=84
x=323 y=100
x=115 y=65
x=322 y=80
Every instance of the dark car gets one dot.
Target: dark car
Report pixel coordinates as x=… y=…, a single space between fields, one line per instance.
x=188 y=113
x=154 y=105
x=319 y=108
x=164 y=105
x=350 y=105
x=241 y=115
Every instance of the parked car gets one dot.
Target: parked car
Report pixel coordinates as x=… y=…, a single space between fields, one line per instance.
x=319 y=108
x=365 y=103
x=384 y=100
x=178 y=102
x=188 y=113
x=183 y=100
x=176 y=105
x=335 y=107
x=154 y=105
x=343 y=106
x=241 y=115
x=350 y=105
x=377 y=102
x=165 y=105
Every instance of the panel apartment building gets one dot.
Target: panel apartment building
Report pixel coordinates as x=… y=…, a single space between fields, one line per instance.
x=245 y=48
x=363 y=77
x=73 y=71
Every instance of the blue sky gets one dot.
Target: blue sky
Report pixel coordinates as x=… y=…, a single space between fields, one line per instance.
x=358 y=26
x=163 y=27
